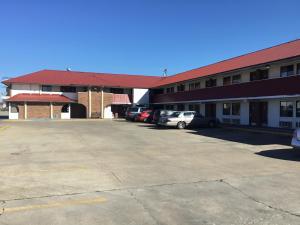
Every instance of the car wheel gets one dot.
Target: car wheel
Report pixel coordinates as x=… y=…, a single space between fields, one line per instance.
x=211 y=124
x=181 y=125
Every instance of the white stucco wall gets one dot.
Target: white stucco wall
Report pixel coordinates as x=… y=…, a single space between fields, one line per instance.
x=37 y=89
x=140 y=96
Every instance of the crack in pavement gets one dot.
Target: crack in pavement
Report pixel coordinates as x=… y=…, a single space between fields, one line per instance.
x=257 y=201
x=143 y=206
x=128 y=189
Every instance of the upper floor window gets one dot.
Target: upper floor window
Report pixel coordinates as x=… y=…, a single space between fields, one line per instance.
x=298 y=108
x=287 y=70
x=226 y=81
x=259 y=75
x=181 y=87
x=193 y=86
x=211 y=83
x=157 y=91
x=286 y=109
x=298 y=68
x=236 y=79
x=170 y=90
x=47 y=88
x=67 y=89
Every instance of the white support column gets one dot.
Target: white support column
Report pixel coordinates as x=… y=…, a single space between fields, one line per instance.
x=102 y=108
x=25 y=110
x=51 y=110
x=90 y=103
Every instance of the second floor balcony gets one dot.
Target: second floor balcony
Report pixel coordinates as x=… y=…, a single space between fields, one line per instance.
x=287 y=86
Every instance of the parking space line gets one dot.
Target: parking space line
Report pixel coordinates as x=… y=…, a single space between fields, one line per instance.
x=3 y=128
x=55 y=205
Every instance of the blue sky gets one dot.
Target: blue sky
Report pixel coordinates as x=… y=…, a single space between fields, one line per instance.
x=137 y=37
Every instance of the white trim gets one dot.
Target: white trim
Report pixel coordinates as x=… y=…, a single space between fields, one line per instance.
x=231 y=99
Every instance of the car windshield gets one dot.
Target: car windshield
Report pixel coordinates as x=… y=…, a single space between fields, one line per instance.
x=134 y=109
x=175 y=114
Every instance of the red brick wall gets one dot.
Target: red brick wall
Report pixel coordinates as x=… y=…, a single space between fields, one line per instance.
x=38 y=110
x=21 y=111
x=57 y=110
x=83 y=98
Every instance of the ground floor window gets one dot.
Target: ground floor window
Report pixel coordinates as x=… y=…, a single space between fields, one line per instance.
x=235 y=109
x=298 y=109
x=286 y=109
x=65 y=109
x=226 y=109
x=195 y=107
x=14 y=108
x=169 y=107
x=180 y=107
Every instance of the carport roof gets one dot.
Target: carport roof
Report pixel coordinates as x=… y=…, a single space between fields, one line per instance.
x=39 y=98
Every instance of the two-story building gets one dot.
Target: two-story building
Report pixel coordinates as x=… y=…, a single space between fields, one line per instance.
x=57 y=94
x=261 y=88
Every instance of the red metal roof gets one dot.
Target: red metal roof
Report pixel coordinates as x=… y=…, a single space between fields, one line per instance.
x=39 y=98
x=58 y=77
x=275 y=53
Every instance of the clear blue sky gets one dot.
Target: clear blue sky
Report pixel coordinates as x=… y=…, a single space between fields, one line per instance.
x=137 y=37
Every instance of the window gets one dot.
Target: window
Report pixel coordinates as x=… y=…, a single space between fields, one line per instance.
x=14 y=108
x=236 y=79
x=195 y=107
x=211 y=83
x=286 y=109
x=287 y=70
x=194 y=86
x=67 y=89
x=65 y=109
x=155 y=91
x=169 y=107
x=188 y=114
x=181 y=87
x=235 y=108
x=226 y=108
x=259 y=75
x=180 y=107
x=298 y=109
x=46 y=88
x=298 y=68
x=226 y=81
x=170 y=90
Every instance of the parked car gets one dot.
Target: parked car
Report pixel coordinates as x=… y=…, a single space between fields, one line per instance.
x=183 y=119
x=143 y=116
x=296 y=139
x=160 y=113
x=132 y=112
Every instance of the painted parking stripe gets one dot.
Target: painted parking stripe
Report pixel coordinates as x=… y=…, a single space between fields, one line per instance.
x=55 y=205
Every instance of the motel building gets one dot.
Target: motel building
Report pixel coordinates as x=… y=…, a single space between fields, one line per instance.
x=261 y=89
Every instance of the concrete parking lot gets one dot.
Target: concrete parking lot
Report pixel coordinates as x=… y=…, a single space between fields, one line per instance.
x=116 y=172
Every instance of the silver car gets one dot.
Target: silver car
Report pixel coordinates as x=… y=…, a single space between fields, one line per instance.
x=179 y=119
x=296 y=139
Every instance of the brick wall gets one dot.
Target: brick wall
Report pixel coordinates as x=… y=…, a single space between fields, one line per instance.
x=38 y=110
x=57 y=110
x=21 y=111
x=83 y=98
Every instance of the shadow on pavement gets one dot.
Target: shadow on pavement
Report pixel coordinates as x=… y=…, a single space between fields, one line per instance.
x=283 y=154
x=244 y=137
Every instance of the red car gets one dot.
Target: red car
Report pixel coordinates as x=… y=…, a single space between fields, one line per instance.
x=143 y=116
